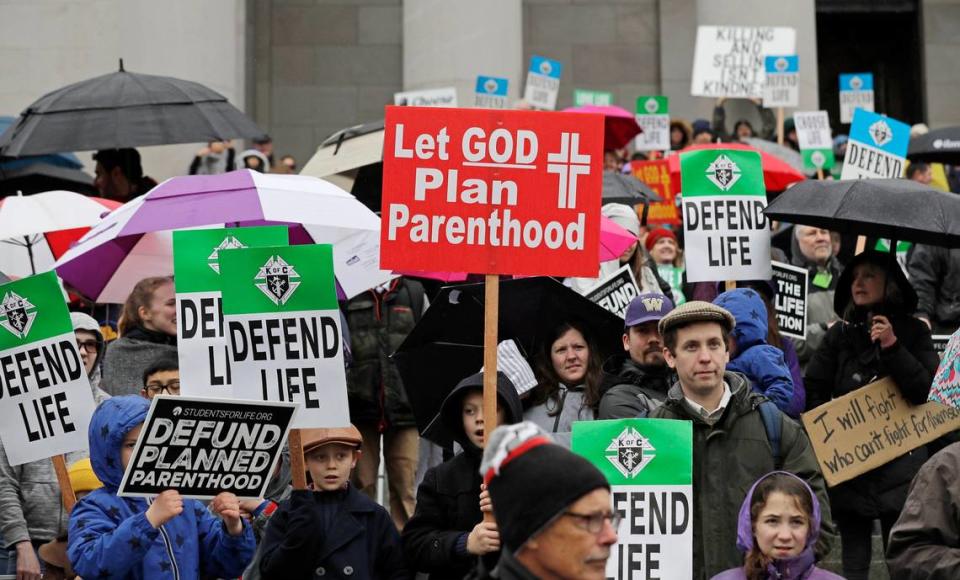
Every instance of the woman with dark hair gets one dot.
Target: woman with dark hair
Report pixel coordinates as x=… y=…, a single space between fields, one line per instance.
x=148 y=330
x=777 y=530
x=568 y=367
x=876 y=337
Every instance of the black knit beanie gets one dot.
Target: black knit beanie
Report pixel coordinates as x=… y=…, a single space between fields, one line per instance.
x=532 y=480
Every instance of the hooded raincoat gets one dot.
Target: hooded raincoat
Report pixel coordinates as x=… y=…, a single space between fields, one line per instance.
x=110 y=536
x=763 y=363
x=448 y=500
x=87 y=323
x=799 y=567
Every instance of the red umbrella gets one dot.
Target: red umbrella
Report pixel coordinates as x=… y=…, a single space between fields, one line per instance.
x=619 y=127
x=777 y=173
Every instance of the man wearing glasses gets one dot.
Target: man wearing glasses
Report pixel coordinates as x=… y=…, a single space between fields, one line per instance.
x=552 y=507
x=162 y=377
x=90 y=344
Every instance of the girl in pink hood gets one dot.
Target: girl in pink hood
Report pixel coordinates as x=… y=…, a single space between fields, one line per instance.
x=777 y=531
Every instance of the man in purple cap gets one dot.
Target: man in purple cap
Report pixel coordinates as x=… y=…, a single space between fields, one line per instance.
x=637 y=381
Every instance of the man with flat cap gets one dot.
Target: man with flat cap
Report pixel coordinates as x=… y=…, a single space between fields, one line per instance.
x=552 y=507
x=738 y=436
x=636 y=382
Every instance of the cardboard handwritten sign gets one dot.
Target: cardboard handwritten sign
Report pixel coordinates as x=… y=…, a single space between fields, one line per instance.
x=616 y=291
x=491 y=192
x=656 y=174
x=202 y=447
x=729 y=60
x=871 y=426
x=649 y=465
x=45 y=396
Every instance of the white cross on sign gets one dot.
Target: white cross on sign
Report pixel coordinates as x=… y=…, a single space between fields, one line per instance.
x=568 y=163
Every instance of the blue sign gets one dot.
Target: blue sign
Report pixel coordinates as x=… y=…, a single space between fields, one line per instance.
x=782 y=64
x=856 y=82
x=883 y=133
x=546 y=67
x=495 y=86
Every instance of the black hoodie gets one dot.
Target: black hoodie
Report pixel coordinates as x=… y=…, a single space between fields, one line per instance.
x=448 y=500
x=630 y=390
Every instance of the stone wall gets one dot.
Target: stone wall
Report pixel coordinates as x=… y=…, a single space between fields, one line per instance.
x=941 y=33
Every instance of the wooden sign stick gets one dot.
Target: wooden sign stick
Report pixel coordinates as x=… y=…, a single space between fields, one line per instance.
x=297 y=468
x=820 y=174
x=729 y=285
x=63 y=478
x=491 y=316
x=779 y=125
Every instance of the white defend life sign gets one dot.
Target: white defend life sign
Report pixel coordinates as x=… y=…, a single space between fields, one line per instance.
x=729 y=60
x=543 y=83
x=856 y=92
x=445 y=97
x=654 y=120
x=782 y=85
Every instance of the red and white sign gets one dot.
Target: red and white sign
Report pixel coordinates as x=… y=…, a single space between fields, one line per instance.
x=491 y=192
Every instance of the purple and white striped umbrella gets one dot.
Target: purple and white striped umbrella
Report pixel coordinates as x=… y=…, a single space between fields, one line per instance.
x=135 y=241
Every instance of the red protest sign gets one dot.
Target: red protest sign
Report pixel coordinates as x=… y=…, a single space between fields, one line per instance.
x=491 y=191
x=656 y=174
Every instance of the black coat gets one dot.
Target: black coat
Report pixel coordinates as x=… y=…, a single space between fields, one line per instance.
x=448 y=499
x=631 y=391
x=361 y=542
x=848 y=360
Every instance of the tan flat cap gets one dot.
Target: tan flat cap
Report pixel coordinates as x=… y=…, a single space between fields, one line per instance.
x=697 y=311
x=310 y=439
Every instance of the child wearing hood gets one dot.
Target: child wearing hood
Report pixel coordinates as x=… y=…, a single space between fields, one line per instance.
x=752 y=356
x=447 y=533
x=777 y=531
x=168 y=536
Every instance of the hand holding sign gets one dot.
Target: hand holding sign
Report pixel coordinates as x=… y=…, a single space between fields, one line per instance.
x=227 y=506
x=168 y=505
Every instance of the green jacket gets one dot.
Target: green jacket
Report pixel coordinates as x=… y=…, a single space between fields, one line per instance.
x=728 y=458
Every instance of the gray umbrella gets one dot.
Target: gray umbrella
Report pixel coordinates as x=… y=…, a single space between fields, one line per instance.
x=124 y=109
x=620 y=188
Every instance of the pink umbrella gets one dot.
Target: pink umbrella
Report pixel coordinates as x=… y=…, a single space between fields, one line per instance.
x=619 y=126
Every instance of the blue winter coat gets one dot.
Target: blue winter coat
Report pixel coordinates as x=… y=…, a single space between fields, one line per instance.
x=763 y=364
x=110 y=536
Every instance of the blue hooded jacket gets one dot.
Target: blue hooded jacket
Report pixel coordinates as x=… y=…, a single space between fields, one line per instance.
x=763 y=363
x=110 y=536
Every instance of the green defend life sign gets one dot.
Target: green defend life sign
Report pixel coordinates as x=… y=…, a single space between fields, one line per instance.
x=649 y=465
x=201 y=343
x=45 y=396
x=726 y=234
x=282 y=323
x=653 y=117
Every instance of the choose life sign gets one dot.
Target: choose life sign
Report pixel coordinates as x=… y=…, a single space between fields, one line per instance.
x=444 y=97
x=283 y=329
x=45 y=396
x=494 y=192
x=729 y=60
x=202 y=447
x=877 y=148
x=543 y=83
x=202 y=347
x=856 y=92
x=491 y=93
x=727 y=235
x=653 y=116
x=813 y=135
x=585 y=97
x=649 y=465
x=782 y=85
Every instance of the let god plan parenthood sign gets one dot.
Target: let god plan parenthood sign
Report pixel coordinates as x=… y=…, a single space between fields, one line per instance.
x=45 y=397
x=283 y=327
x=202 y=447
x=726 y=233
x=491 y=192
x=649 y=465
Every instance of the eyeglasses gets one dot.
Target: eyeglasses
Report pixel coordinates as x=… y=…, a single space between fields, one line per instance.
x=172 y=387
x=90 y=345
x=593 y=523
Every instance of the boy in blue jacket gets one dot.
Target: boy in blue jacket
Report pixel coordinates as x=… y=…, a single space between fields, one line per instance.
x=752 y=356
x=168 y=537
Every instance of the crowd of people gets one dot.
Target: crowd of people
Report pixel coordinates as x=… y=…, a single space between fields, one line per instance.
x=517 y=503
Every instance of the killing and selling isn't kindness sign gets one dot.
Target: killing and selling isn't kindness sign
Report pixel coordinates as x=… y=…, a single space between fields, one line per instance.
x=493 y=192
x=202 y=447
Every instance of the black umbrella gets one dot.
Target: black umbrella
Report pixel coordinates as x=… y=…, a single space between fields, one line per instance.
x=124 y=109
x=621 y=188
x=446 y=346
x=937 y=146
x=884 y=208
